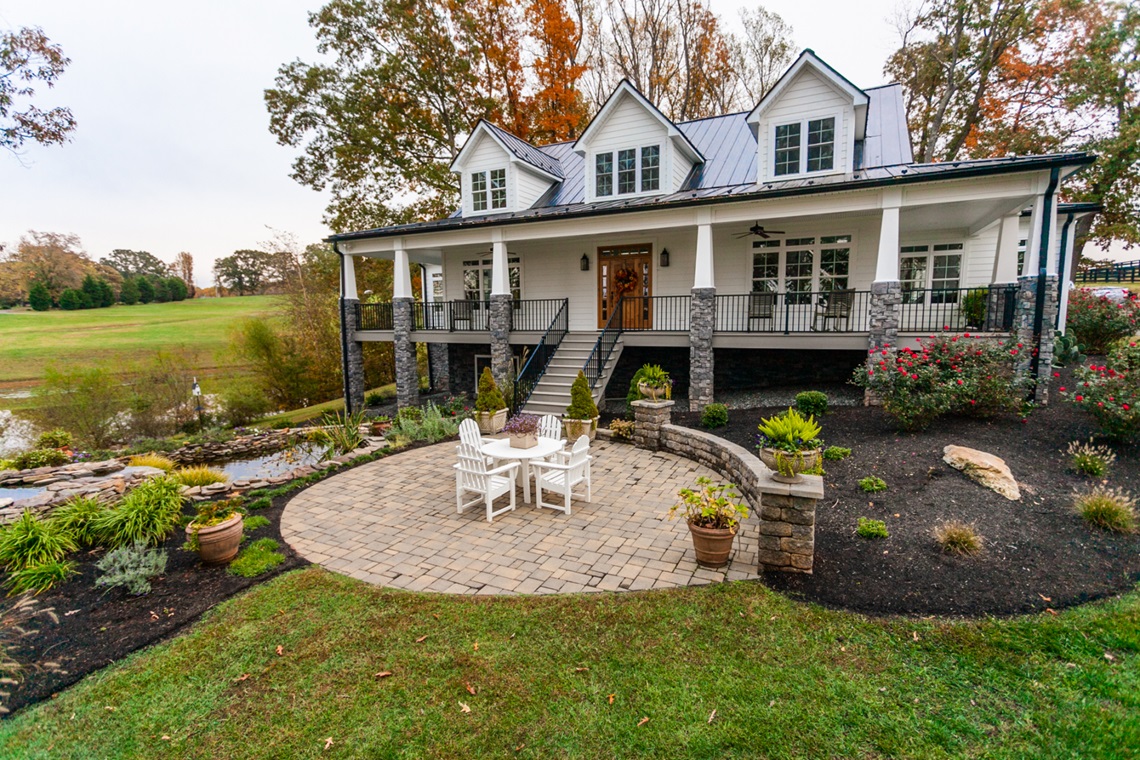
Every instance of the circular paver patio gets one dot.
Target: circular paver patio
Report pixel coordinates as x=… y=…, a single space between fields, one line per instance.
x=393 y=522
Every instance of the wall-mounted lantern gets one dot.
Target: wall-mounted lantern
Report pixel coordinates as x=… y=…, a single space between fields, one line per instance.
x=585 y=263
x=664 y=257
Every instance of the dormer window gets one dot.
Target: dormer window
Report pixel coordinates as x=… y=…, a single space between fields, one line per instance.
x=495 y=182
x=794 y=156
x=635 y=170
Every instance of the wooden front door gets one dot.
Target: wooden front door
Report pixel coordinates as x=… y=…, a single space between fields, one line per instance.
x=626 y=272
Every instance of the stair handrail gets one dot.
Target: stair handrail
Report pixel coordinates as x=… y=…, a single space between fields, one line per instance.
x=540 y=358
x=596 y=363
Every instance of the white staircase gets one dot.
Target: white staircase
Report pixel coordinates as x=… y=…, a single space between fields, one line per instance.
x=552 y=394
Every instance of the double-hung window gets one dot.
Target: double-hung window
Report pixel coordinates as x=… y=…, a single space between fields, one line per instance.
x=937 y=268
x=477 y=278
x=627 y=171
x=497 y=193
x=803 y=147
x=801 y=266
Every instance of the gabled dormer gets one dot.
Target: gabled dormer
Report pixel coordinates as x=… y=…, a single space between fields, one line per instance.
x=499 y=172
x=631 y=149
x=807 y=124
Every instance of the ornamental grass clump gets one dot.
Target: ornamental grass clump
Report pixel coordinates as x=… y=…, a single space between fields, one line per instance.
x=199 y=475
x=339 y=433
x=1110 y=508
x=76 y=517
x=39 y=578
x=946 y=375
x=1087 y=459
x=957 y=537
x=709 y=506
x=1110 y=392
x=151 y=459
x=31 y=541
x=146 y=514
x=1099 y=321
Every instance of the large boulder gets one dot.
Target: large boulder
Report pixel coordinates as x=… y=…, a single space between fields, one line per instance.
x=984 y=468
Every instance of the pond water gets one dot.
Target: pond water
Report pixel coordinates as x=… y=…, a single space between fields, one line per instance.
x=270 y=465
x=20 y=493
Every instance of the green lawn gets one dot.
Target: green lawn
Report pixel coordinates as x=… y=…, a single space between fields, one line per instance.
x=786 y=680
x=31 y=341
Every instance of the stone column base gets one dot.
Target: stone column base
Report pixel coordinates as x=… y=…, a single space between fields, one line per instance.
x=702 y=323
x=407 y=370
x=787 y=526
x=648 y=418
x=502 y=358
x=440 y=361
x=353 y=359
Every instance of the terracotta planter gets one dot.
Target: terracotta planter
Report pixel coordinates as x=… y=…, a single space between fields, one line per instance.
x=528 y=441
x=804 y=460
x=712 y=545
x=380 y=428
x=652 y=392
x=491 y=422
x=218 y=544
x=575 y=429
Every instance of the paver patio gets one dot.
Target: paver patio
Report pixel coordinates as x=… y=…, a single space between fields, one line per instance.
x=393 y=522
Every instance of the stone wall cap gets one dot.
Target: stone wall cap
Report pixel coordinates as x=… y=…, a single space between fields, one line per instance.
x=653 y=404
x=810 y=488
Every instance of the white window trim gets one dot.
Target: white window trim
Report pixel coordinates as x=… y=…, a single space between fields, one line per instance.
x=487 y=180
x=930 y=253
x=838 y=167
x=485 y=262
x=815 y=248
x=662 y=163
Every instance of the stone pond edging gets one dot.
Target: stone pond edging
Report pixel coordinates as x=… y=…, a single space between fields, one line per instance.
x=786 y=510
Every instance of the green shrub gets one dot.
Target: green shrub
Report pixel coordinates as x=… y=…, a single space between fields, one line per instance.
x=1111 y=392
x=131 y=567
x=957 y=537
x=714 y=416
x=1087 y=459
x=76 y=517
x=30 y=541
x=39 y=298
x=199 y=475
x=378 y=398
x=869 y=528
x=872 y=484
x=39 y=458
x=39 y=578
x=947 y=375
x=836 y=453
x=1099 y=322
x=147 y=514
x=410 y=413
x=254 y=522
x=811 y=403
x=242 y=402
x=582 y=406
x=55 y=439
x=72 y=299
x=790 y=432
x=622 y=429
x=489 y=398
x=259 y=557
x=84 y=400
x=974 y=305
x=129 y=291
x=1109 y=508
x=427 y=424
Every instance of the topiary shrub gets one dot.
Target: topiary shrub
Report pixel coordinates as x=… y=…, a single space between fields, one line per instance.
x=582 y=406
x=714 y=416
x=489 y=398
x=811 y=403
x=40 y=458
x=131 y=567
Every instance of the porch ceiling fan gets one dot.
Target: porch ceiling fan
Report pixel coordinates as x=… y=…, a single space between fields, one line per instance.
x=758 y=230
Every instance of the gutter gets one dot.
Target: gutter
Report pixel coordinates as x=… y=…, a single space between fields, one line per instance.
x=1043 y=253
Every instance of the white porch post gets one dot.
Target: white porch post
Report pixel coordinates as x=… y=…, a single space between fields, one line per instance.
x=348 y=281
x=1033 y=244
x=1005 y=261
x=885 y=308
x=702 y=318
x=500 y=281
x=703 y=274
x=887 y=263
x=502 y=357
x=1067 y=238
x=407 y=371
x=401 y=275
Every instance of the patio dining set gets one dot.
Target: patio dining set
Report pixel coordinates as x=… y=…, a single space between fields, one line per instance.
x=490 y=468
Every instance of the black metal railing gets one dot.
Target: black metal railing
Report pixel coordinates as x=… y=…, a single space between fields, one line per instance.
x=604 y=346
x=986 y=309
x=535 y=315
x=539 y=359
x=656 y=313
x=451 y=316
x=845 y=311
x=1124 y=271
x=374 y=316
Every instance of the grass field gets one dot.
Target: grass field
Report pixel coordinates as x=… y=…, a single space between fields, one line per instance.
x=31 y=341
x=290 y=669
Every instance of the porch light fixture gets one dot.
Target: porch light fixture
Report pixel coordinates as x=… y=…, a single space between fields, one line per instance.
x=664 y=257
x=585 y=263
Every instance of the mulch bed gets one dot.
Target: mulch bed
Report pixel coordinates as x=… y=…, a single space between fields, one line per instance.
x=1038 y=554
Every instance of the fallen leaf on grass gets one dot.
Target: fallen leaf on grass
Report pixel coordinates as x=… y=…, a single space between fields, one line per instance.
x=383 y=674
x=165 y=738
x=242 y=677
x=1107 y=655
x=842 y=649
x=464 y=708
x=519 y=748
x=512 y=636
x=421 y=639
x=112 y=709
x=580 y=670
x=476 y=646
x=280 y=650
x=1051 y=611
x=914 y=634
x=772 y=703
x=611 y=698
x=712 y=716
x=643 y=721
x=328 y=742
x=470 y=689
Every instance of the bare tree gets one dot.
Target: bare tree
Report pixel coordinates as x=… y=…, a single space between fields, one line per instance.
x=183 y=267
x=764 y=51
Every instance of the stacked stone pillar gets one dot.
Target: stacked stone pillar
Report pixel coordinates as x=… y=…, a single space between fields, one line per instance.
x=648 y=418
x=702 y=323
x=407 y=371
x=353 y=356
x=502 y=359
x=787 y=526
x=1024 y=322
x=885 y=312
x=439 y=358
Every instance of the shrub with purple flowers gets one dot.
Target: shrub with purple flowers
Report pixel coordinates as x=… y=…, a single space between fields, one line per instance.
x=522 y=424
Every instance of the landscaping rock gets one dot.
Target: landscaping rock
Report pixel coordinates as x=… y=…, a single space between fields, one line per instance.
x=984 y=469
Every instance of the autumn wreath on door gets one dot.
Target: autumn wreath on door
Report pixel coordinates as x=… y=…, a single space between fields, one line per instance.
x=625 y=280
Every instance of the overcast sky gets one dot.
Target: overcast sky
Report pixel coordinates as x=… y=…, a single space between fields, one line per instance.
x=173 y=151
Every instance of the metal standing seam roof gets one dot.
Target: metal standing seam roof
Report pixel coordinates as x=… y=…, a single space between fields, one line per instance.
x=527 y=152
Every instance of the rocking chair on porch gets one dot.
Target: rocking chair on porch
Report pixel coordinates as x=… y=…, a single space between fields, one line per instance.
x=837 y=306
x=761 y=306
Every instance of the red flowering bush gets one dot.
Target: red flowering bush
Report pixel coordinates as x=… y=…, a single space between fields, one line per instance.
x=946 y=375
x=1099 y=322
x=1111 y=392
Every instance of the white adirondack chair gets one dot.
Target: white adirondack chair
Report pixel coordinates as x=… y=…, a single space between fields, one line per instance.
x=550 y=426
x=469 y=435
x=564 y=476
x=473 y=476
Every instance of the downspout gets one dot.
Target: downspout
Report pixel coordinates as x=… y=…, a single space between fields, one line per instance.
x=1043 y=253
x=344 y=368
x=1062 y=279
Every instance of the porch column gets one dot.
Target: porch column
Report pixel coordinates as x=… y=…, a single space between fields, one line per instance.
x=407 y=372
x=1033 y=242
x=352 y=351
x=1068 y=233
x=502 y=364
x=885 y=309
x=1005 y=269
x=702 y=321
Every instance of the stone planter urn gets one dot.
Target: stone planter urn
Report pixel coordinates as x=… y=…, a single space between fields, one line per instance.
x=651 y=392
x=712 y=545
x=491 y=422
x=575 y=429
x=218 y=544
x=525 y=441
x=786 y=466
x=380 y=428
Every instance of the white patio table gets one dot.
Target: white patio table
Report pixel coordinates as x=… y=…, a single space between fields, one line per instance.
x=502 y=449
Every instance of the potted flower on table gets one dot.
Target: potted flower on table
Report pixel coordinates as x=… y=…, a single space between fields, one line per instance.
x=215 y=532
x=713 y=514
x=523 y=430
x=490 y=406
x=789 y=445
